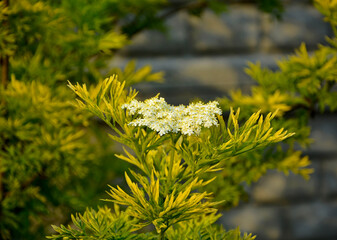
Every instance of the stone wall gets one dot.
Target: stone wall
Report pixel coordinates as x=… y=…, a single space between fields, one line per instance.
x=205 y=57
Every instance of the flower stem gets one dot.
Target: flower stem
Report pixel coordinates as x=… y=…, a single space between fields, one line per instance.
x=4 y=60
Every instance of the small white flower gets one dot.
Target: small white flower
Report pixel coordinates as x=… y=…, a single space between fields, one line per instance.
x=163 y=118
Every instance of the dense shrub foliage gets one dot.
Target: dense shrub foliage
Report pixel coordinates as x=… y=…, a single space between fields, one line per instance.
x=45 y=155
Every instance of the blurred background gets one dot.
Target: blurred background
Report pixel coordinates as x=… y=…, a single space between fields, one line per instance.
x=205 y=58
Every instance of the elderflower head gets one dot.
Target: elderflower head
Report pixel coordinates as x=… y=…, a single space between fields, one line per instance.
x=156 y=114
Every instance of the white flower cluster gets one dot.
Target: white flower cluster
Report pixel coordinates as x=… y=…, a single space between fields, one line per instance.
x=161 y=117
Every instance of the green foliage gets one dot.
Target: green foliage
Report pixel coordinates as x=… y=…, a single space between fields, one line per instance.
x=101 y=224
x=131 y=76
x=204 y=227
x=45 y=155
x=7 y=39
x=108 y=224
x=171 y=167
x=329 y=10
x=55 y=40
x=275 y=7
x=38 y=132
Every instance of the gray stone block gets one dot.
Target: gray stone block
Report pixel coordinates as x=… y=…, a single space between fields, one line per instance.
x=265 y=222
x=313 y=221
x=329 y=177
x=277 y=188
x=198 y=77
x=300 y=23
x=324 y=133
x=235 y=30
x=175 y=40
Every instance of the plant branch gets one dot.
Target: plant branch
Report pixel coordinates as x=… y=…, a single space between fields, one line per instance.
x=172 y=8
x=4 y=61
x=183 y=6
x=26 y=184
x=4 y=70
